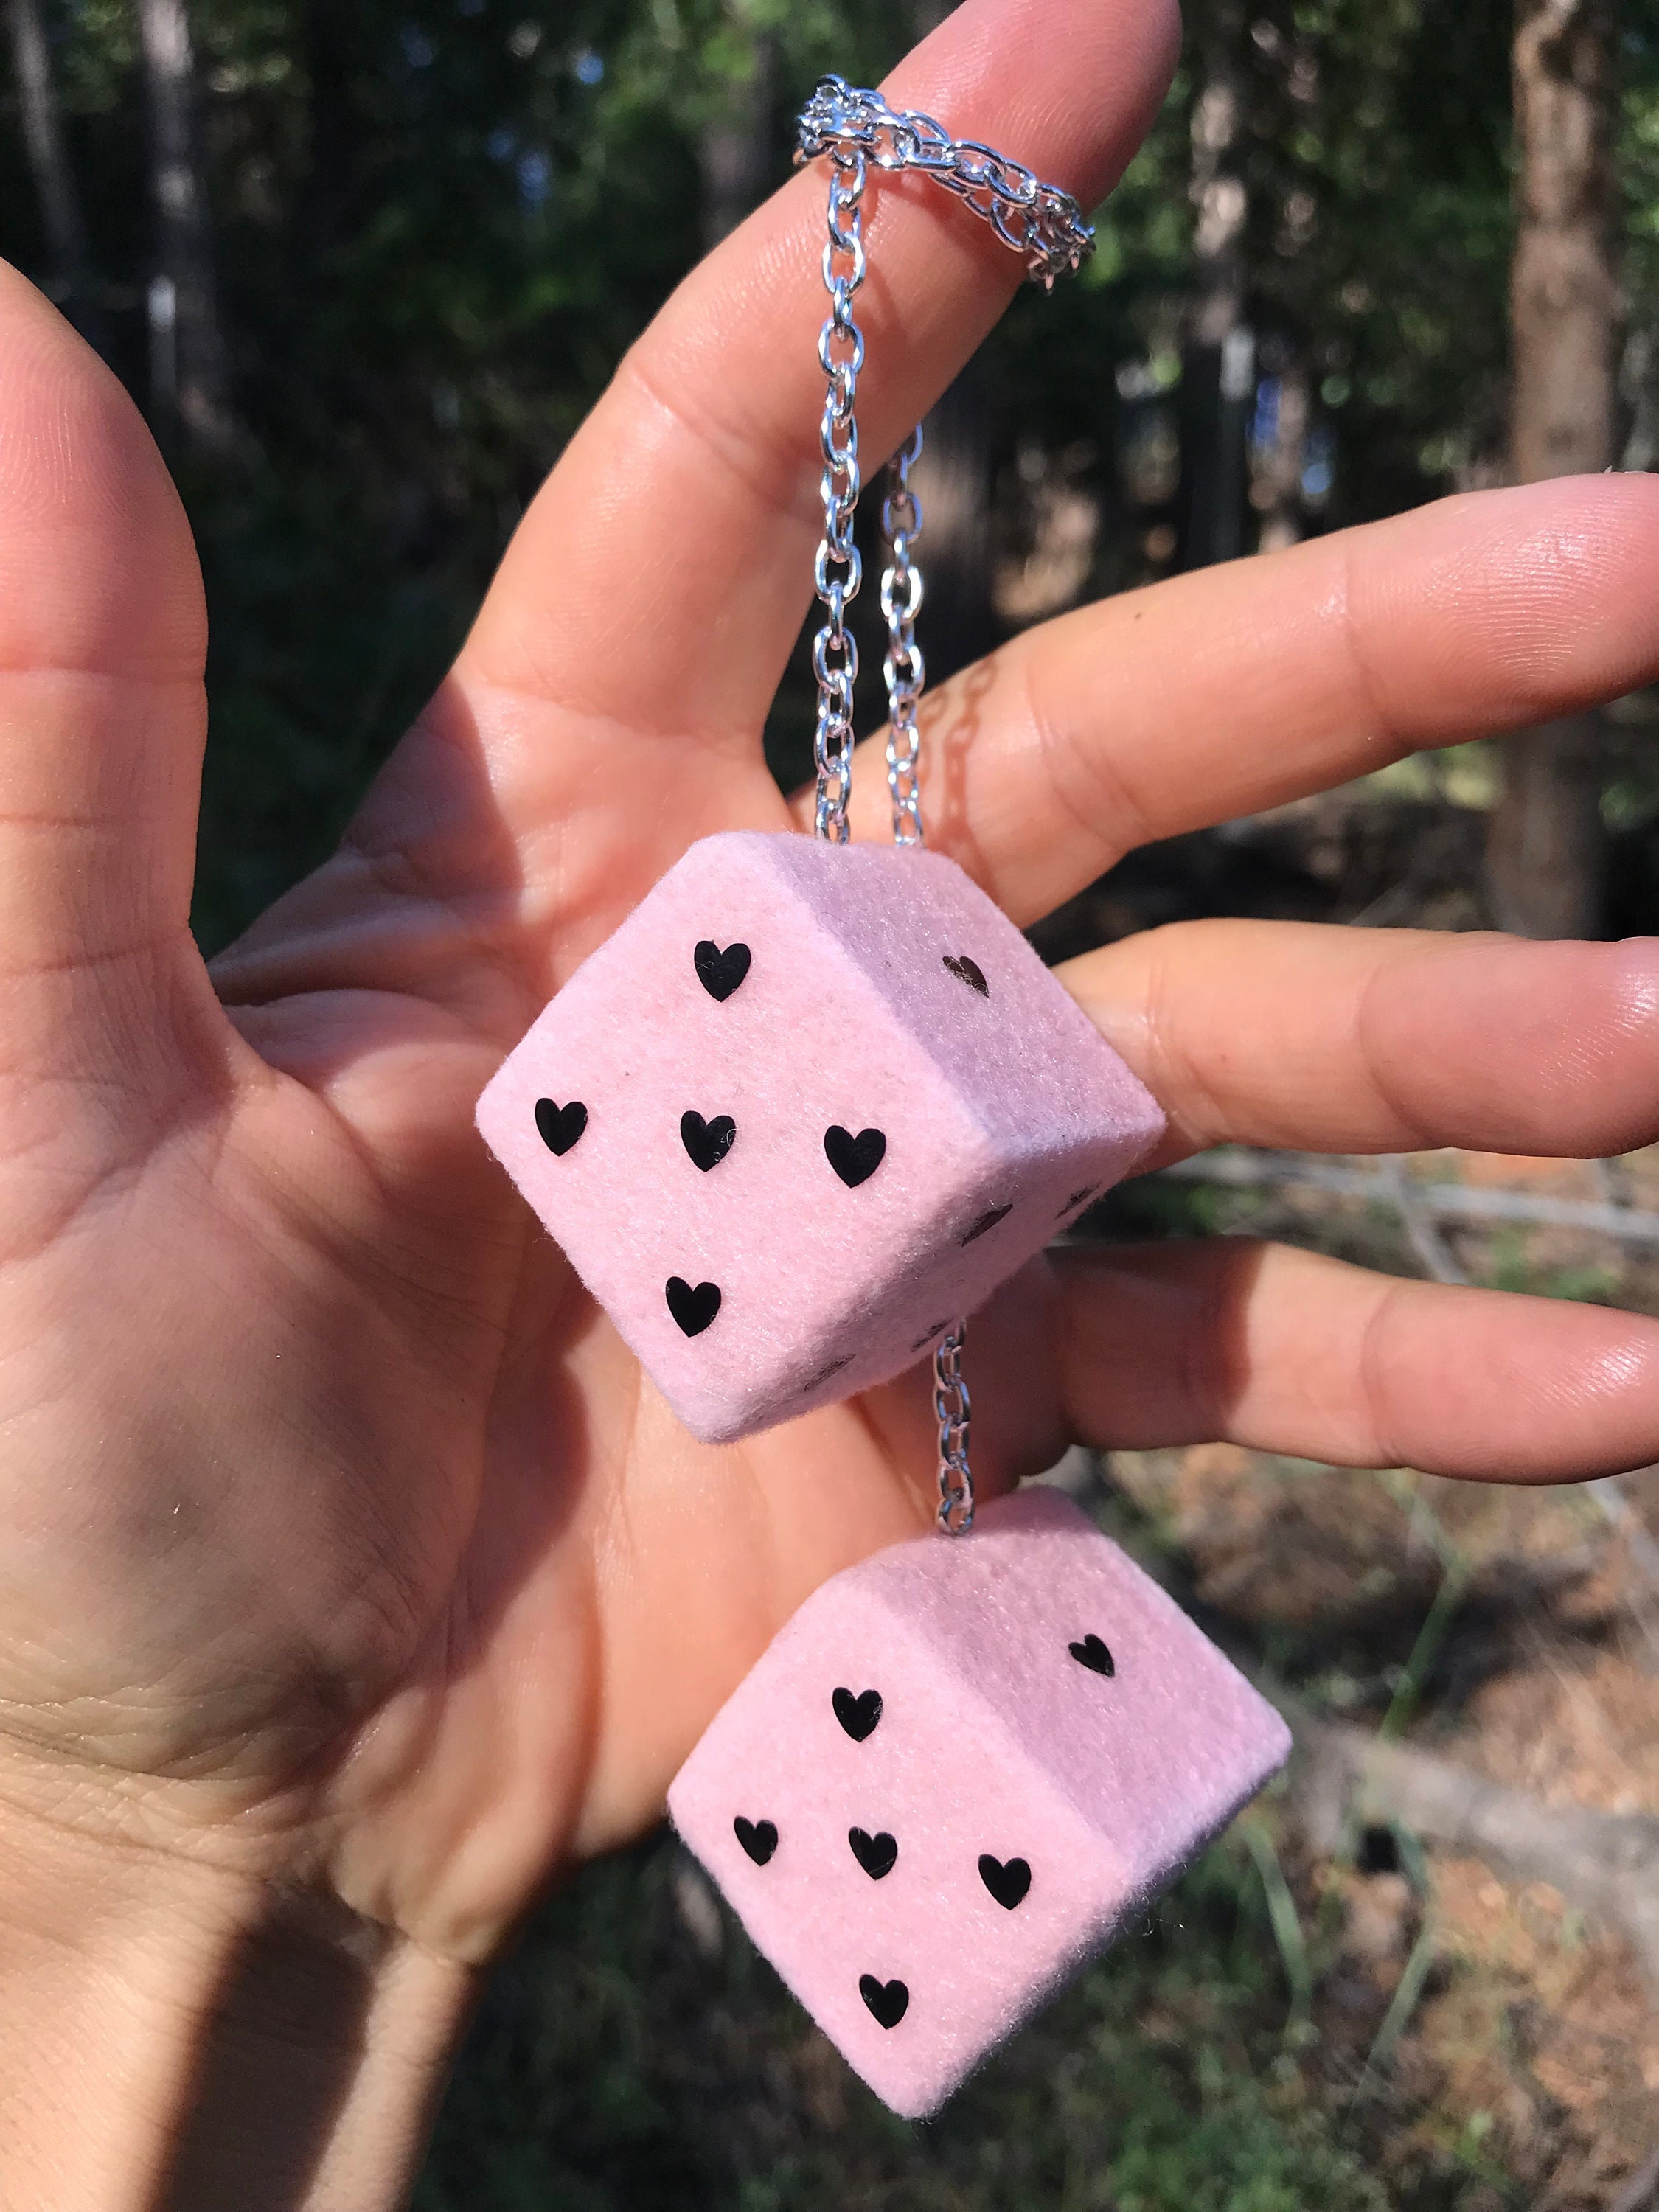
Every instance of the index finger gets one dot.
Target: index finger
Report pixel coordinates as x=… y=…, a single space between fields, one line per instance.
x=660 y=576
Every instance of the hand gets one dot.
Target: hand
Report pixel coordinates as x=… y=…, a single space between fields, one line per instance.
x=351 y=1578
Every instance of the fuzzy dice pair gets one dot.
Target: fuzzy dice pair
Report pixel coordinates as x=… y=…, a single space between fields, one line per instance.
x=808 y=1105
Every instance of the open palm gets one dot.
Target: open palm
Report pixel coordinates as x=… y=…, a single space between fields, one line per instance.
x=341 y=1539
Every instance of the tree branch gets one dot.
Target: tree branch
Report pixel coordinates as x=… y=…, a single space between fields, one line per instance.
x=1242 y=1168
x=1602 y=1863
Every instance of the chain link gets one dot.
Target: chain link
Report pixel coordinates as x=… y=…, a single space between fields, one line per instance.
x=904 y=670
x=839 y=569
x=955 y=1483
x=1045 y=226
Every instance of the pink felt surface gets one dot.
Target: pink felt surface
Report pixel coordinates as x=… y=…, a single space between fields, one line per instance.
x=848 y=1017
x=992 y=1738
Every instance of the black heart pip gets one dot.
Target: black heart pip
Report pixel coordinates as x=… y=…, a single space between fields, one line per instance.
x=854 y=1159
x=720 y=973
x=707 y=1143
x=560 y=1126
x=693 y=1306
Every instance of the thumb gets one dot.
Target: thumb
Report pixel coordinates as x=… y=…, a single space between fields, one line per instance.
x=102 y=716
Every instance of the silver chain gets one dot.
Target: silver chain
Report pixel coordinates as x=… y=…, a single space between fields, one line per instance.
x=950 y=1408
x=904 y=670
x=839 y=569
x=1046 y=226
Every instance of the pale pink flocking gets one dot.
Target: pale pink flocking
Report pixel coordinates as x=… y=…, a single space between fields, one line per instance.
x=807 y=1106
x=955 y=1773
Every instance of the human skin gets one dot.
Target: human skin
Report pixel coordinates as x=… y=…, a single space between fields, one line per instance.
x=353 y=1583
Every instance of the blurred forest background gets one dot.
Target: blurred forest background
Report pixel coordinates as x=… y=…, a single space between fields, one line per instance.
x=365 y=263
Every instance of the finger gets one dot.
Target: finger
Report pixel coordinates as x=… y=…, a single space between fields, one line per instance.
x=102 y=639
x=660 y=579
x=606 y=708
x=1242 y=686
x=1290 y=1352
x=1338 y=1040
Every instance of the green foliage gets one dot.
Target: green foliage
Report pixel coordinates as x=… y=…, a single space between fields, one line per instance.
x=1512 y=1267
x=1374 y=149
x=440 y=223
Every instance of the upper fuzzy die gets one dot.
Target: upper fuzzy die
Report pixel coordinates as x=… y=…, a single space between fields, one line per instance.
x=808 y=1105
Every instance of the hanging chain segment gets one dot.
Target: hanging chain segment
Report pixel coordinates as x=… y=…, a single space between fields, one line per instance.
x=839 y=570
x=905 y=673
x=904 y=670
x=1045 y=226
x=956 y=1482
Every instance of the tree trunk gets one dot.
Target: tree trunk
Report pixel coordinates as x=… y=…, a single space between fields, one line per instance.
x=1217 y=370
x=1280 y=457
x=1601 y=1861
x=1547 y=850
x=953 y=481
x=329 y=50
x=734 y=153
x=190 y=372
x=68 y=259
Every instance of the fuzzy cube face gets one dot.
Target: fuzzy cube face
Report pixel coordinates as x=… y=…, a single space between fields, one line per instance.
x=805 y=1107
x=955 y=1773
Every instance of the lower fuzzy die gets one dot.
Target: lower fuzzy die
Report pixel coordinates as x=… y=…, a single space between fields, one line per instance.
x=953 y=1775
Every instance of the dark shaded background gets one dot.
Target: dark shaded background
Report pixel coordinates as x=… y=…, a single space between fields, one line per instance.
x=432 y=228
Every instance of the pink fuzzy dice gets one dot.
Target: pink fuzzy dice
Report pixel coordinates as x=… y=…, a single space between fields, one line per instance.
x=805 y=1107
x=955 y=1773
